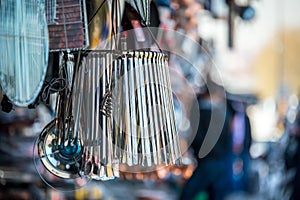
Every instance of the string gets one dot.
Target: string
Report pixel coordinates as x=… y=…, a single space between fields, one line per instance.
x=50 y=87
x=113 y=11
x=154 y=39
x=98 y=9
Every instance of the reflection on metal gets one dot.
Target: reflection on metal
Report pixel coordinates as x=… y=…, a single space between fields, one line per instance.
x=64 y=162
x=24 y=49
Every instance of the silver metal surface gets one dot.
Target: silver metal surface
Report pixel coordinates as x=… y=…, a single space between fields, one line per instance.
x=55 y=160
x=24 y=49
x=99 y=161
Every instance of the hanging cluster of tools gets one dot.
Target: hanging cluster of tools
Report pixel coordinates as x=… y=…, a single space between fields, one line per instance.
x=112 y=106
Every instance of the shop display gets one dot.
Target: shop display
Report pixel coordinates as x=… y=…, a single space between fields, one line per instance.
x=113 y=106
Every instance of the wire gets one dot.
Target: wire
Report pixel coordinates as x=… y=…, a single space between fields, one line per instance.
x=50 y=87
x=148 y=28
x=98 y=9
x=154 y=39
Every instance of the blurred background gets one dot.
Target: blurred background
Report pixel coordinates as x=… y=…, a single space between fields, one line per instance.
x=245 y=62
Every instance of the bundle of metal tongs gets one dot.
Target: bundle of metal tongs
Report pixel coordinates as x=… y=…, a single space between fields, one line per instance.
x=144 y=131
x=115 y=108
x=93 y=120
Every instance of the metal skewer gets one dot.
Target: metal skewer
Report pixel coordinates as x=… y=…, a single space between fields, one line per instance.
x=150 y=106
x=167 y=119
x=160 y=110
x=146 y=117
x=177 y=152
x=133 y=109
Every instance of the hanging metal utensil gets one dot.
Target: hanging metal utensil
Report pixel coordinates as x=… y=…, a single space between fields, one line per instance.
x=99 y=160
x=147 y=114
x=60 y=145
